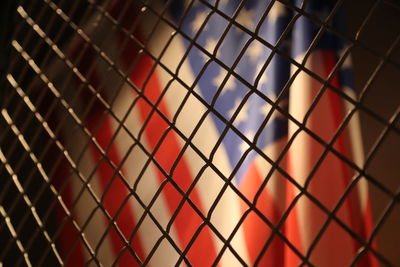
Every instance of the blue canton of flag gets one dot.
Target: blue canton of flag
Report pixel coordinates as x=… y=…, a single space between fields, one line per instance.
x=260 y=73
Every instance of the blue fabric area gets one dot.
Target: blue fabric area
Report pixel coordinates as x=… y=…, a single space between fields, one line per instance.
x=209 y=28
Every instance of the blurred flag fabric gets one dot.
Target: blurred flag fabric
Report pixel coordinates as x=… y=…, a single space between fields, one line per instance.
x=211 y=132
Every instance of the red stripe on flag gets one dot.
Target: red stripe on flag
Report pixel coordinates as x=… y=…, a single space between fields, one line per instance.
x=341 y=143
x=257 y=232
x=364 y=228
x=291 y=226
x=117 y=192
x=68 y=234
x=331 y=178
x=69 y=239
x=187 y=221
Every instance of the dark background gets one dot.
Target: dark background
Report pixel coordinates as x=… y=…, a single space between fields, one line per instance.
x=383 y=96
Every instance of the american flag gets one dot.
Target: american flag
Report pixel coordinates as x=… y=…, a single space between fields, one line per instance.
x=221 y=146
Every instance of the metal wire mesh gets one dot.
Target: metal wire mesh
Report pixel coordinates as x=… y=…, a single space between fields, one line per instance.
x=54 y=89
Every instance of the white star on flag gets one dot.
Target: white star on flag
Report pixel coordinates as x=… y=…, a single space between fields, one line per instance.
x=242 y=116
x=198 y=21
x=266 y=108
x=250 y=133
x=277 y=10
x=230 y=83
x=245 y=18
x=223 y=2
x=243 y=146
x=255 y=50
x=264 y=76
x=210 y=45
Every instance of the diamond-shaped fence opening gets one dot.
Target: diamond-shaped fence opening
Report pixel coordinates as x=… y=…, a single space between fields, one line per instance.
x=199 y=132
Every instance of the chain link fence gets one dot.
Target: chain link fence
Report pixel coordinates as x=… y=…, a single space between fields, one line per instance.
x=113 y=154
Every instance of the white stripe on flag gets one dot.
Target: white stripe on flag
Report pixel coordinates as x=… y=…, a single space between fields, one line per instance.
x=357 y=148
x=328 y=183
